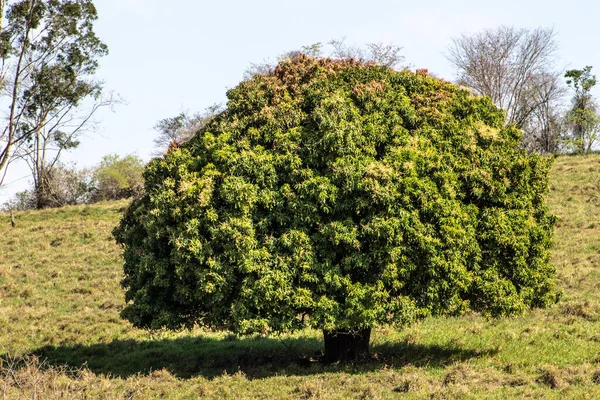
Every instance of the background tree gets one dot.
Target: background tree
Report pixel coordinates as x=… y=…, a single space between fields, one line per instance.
x=385 y=54
x=49 y=52
x=515 y=68
x=339 y=195
x=42 y=151
x=179 y=129
x=545 y=127
x=118 y=178
x=583 y=117
x=65 y=185
x=20 y=201
x=266 y=66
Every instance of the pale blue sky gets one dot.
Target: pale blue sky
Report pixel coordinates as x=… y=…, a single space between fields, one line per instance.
x=167 y=57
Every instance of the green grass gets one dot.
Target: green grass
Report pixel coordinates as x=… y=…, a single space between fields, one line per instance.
x=60 y=331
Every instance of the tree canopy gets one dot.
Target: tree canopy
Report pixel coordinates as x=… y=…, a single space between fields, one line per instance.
x=340 y=195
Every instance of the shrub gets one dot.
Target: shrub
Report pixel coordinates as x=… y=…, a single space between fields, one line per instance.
x=118 y=177
x=63 y=185
x=340 y=195
x=21 y=201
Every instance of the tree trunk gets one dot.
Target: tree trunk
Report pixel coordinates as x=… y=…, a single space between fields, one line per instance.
x=44 y=193
x=346 y=345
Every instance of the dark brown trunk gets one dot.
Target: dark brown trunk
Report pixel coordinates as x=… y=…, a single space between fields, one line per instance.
x=346 y=345
x=43 y=197
x=45 y=193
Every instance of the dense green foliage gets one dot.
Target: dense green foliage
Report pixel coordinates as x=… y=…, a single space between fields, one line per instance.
x=339 y=195
x=118 y=177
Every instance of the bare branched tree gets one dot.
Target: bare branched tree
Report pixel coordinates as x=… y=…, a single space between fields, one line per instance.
x=546 y=125
x=386 y=54
x=267 y=65
x=179 y=129
x=260 y=68
x=515 y=68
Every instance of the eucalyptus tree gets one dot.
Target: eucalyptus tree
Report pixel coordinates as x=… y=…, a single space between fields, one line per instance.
x=48 y=55
x=583 y=115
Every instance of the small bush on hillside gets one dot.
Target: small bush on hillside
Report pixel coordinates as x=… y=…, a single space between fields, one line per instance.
x=115 y=178
x=118 y=177
x=69 y=186
x=21 y=201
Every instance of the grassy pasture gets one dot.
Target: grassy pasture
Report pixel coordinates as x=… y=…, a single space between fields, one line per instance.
x=61 y=335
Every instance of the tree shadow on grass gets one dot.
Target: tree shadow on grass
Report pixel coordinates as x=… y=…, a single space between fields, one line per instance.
x=257 y=357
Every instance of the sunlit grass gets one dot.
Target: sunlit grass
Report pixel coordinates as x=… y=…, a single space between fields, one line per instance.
x=60 y=300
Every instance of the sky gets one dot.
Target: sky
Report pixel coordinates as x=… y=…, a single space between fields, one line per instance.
x=183 y=55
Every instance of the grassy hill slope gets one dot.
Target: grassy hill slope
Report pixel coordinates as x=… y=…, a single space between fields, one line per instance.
x=60 y=331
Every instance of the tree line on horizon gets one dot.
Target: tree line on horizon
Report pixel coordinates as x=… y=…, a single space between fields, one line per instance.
x=115 y=177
